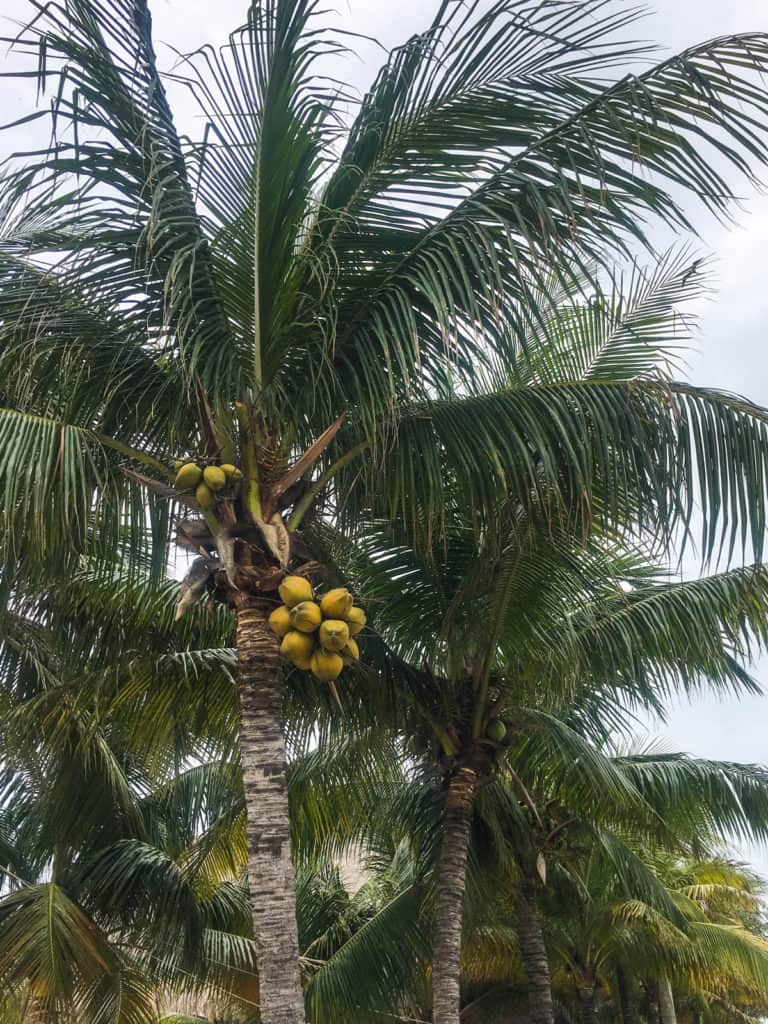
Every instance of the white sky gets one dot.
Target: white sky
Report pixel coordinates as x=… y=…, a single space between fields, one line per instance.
x=731 y=348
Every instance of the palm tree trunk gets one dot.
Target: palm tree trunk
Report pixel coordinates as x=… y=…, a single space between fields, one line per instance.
x=449 y=905
x=530 y=935
x=667 y=1010
x=626 y=1001
x=270 y=870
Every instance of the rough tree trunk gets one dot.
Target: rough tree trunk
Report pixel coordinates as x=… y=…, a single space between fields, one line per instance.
x=530 y=936
x=270 y=870
x=449 y=905
x=626 y=1001
x=667 y=1011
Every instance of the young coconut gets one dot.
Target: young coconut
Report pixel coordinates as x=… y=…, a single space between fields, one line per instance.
x=297 y=647
x=336 y=603
x=280 y=620
x=496 y=730
x=205 y=496
x=326 y=665
x=215 y=478
x=351 y=652
x=188 y=476
x=334 y=634
x=295 y=589
x=306 y=617
x=356 y=620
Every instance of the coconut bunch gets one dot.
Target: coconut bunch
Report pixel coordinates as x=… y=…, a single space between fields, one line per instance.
x=317 y=634
x=205 y=481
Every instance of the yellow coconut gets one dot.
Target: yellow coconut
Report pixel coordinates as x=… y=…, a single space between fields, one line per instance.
x=205 y=496
x=326 y=665
x=336 y=603
x=334 y=634
x=215 y=477
x=305 y=664
x=306 y=617
x=188 y=476
x=351 y=652
x=294 y=590
x=356 y=620
x=297 y=646
x=280 y=620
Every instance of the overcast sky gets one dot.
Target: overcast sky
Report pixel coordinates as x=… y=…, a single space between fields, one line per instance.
x=732 y=344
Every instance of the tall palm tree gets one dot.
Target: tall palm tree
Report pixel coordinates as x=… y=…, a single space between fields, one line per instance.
x=333 y=307
x=489 y=642
x=119 y=778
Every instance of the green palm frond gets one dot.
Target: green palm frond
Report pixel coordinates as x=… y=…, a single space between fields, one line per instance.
x=595 y=449
x=116 y=136
x=47 y=941
x=374 y=966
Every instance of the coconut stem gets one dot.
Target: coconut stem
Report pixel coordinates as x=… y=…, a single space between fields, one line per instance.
x=251 y=491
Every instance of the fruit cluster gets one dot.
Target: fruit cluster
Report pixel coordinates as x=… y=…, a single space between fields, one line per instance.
x=317 y=636
x=205 y=482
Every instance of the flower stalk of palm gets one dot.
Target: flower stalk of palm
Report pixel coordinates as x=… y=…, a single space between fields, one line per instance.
x=233 y=296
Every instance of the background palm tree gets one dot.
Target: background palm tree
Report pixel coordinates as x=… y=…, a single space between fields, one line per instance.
x=554 y=643
x=290 y=291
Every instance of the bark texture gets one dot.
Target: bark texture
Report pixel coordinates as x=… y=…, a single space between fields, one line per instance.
x=530 y=935
x=270 y=870
x=667 y=1011
x=449 y=904
x=626 y=997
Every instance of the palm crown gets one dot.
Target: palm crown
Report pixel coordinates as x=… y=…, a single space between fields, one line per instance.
x=402 y=270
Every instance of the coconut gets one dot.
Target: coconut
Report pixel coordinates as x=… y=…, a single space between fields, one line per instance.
x=215 y=477
x=356 y=620
x=326 y=665
x=205 y=496
x=306 y=617
x=334 y=634
x=188 y=476
x=351 y=652
x=295 y=589
x=496 y=730
x=336 y=603
x=297 y=646
x=280 y=620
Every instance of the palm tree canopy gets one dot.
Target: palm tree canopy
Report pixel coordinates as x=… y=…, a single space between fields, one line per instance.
x=393 y=266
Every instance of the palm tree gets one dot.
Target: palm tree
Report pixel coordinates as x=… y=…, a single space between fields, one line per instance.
x=336 y=308
x=701 y=943
x=491 y=644
x=120 y=779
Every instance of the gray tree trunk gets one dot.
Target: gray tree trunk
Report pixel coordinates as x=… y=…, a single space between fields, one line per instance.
x=626 y=999
x=530 y=935
x=270 y=869
x=449 y=905
x=667 y=1011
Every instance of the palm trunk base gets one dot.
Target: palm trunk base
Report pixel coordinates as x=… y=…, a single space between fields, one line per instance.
x=449 y=906
x=530 y=935
x=270 y=869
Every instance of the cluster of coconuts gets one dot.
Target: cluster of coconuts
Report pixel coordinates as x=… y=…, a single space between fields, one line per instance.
x=205 y=481
x=317 y=636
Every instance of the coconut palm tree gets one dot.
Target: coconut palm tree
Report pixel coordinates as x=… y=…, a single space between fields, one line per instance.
x=493 y=644
x=332 y=306
x=706 y=951
x=122 y=826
